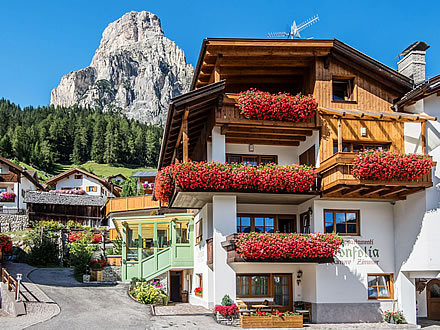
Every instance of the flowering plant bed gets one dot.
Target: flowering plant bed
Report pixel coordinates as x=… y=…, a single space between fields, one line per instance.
x=7 y=196
x=274 y=320
x=226 y=310
x=203 y=176
x=387 y=165
x=74 y=236
x=269 y=246
x=394 y=317
x=255 y=104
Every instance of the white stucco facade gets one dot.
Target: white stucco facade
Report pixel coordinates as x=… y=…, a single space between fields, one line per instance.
x=80 y=181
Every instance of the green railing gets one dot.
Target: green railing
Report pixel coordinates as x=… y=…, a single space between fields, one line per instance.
x=175 y=255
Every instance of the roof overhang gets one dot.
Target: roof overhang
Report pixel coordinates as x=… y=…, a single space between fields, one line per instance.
x=287 y=52
x=196 y=200
x=199 y=104
x=429 y=87
x=369 y=115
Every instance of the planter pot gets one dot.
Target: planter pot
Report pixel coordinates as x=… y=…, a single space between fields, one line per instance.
x=96 y=275
x=86 y=278
x=271 y=321
x=184 y=297
x=199 y=294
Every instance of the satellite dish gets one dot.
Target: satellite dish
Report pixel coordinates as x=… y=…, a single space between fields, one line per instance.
x=295 y=29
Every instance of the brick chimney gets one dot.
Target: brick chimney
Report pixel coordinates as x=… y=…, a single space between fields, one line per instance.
x=412 y=62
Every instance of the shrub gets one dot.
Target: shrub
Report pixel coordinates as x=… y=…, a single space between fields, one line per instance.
x=226 y=300
x=5 y=244
x=81 y=253
x=254 y=104
x=149 y=293
x=43 y=246
x=203 y=176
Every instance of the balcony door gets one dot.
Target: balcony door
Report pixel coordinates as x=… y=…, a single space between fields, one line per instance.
x=282 y=291
x=433 y=299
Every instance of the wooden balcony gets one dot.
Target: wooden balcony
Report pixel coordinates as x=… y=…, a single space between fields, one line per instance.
x=239 y=129
x=130 y=204
x=232 y=256
x=337 y=181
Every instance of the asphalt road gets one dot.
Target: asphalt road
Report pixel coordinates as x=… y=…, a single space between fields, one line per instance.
x=88 y=307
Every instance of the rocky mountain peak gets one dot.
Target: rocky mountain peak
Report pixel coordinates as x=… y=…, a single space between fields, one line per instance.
x=135 y=68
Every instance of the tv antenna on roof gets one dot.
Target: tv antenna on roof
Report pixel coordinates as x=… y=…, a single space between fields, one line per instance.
x=295 y=29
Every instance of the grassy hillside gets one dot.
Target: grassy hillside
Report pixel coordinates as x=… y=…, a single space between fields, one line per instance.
x=102 y=170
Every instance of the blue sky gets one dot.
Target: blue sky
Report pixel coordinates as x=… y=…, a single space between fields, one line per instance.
x=43 y=40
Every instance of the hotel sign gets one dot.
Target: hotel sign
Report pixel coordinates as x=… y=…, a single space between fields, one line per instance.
x=358 y=252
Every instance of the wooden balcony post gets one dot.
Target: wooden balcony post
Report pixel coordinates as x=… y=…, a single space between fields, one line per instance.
x=339 y=134
x=423 y=137
x=185 y=137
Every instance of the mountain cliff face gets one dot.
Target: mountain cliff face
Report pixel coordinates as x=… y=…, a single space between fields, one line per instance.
x=136 y=68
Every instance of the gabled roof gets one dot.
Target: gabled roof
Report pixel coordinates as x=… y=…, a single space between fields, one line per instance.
x=270 y=48
x=139 y=174
x=109 y=178
x=39 y=197
x=53 y=181
x=200 y=101
x=30 y=175
x=425 y=89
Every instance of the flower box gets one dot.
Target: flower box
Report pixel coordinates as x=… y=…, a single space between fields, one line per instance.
x=272 y=321
x=199 y=294
x=204 y=176
x=254 y=104
x=387 y=165
x=284 y=247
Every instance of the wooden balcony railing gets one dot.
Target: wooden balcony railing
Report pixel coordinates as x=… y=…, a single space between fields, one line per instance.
x=130 y=204
x=338 y=181
x=230 y=114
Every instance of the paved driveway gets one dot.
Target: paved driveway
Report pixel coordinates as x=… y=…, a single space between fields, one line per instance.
x=88 y=307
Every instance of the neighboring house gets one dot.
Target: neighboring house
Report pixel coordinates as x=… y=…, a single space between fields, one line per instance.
x=418 y=226
x=85 y=209
x=15 y=182
x=388 y=226
x=118 y=179
x=78 y=179
x=146 y=180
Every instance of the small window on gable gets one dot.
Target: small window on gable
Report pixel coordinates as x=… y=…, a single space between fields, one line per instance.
x=78 y=176
x=343 y=89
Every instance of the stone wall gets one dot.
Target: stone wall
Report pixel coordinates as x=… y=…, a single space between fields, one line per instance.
x=10 y=222
x=230 y=320
x=112 y=274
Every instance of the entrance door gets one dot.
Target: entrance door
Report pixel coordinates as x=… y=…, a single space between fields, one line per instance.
x=175 y=286
x=282 y=291
x=433 y=299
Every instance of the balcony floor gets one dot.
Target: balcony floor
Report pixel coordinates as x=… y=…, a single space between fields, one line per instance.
x=197 y=199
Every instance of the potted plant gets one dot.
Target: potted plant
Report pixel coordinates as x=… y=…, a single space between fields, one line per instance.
x=97 y=266
x=198 y=292
x=184 y=296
